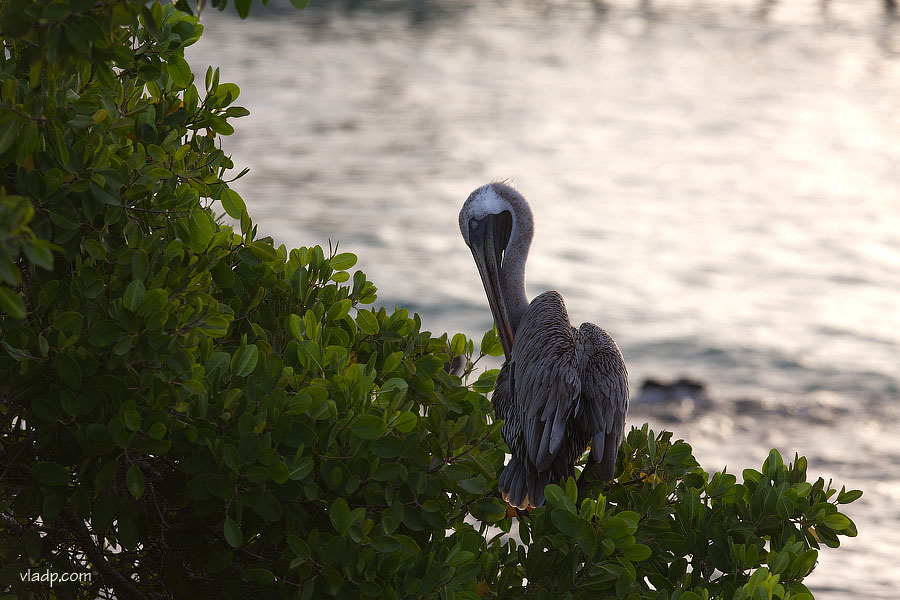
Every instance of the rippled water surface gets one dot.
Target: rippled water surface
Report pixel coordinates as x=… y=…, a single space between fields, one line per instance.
x=715 y=183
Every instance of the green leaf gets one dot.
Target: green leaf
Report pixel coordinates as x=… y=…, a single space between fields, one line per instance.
x=490 y=343
x=339 y=515
x=32 y=542
x=751 y=475
x=123 y=346
x=220 y=125
x=785 y=507
x=12 y=303
x=39 y=254
x=387 y=447
x=232 y=532
x=388 y=471
x=154 y=302
x=194 y=387
x=392 y=362
x=558 y=498
x=299 y=546
x=773 y=463
x=217 y=362
x=134 y=479
x=223 y=275
x=105 y=196
x=408 y=545
x=368 y=427
x=201 y=227
x=617 y=527
x=179 y=360
x=565 y=521
x=300 y=4
x=849 y=496
x=134 y=295
x=571 y=490
x=180 y=72
x=486 y=381
x=244 y=360
x=106 y=476
x=804 y=563
x=152 y=21
x=50 y=473
x=394 y=383
x=153 y=446
x=458 y=345
x=68 y=321
x=385 y=543
x=779 y=561
x=367 y=322
x=68 y=370
x=295 y=325
x=233 y=203
x=64 y=219
x=8 y=131
x=104 y=333
x=677 y=453
x=342 y=261
x=585 y=536
x=95 y=249
x=76 y=38
x=279 y=472
x=132 y=419
x=837 y=521
x=406 y=422
x=474 y=485
x=338 y=310
x=9 y=271
x=800 y=591
x=237 y=112
x=429 y=363
x=257 y=575
x=302 y=468
x=157 y=431
x=637 y=552
x=140 y=265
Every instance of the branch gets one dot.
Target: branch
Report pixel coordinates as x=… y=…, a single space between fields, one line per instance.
x=125 y=588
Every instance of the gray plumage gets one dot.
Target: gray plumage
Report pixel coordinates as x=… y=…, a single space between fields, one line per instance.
x=560 y=388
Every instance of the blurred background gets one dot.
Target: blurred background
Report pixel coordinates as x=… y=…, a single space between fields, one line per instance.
x=714 y=182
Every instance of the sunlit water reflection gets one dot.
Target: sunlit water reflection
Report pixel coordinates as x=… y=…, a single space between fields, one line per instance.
x=715 y=183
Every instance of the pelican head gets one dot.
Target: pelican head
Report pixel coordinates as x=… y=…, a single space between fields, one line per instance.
x=497 y=225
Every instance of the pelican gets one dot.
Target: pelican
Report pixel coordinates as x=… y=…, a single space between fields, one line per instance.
x=560 y=388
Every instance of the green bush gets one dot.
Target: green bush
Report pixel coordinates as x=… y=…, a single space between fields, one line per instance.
x=189 y=410
x=667 y=529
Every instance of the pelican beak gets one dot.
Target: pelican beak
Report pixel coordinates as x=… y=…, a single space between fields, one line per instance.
x=487 y=245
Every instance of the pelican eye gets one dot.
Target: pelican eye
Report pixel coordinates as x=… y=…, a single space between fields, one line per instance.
x=474 y=225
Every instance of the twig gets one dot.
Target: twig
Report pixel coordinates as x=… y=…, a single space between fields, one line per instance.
x=125 y=588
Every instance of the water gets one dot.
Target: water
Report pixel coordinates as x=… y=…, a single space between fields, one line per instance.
x=715 y=183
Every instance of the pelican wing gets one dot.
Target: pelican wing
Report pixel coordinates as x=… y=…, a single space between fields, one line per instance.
x=544 y=378
x=604 y=394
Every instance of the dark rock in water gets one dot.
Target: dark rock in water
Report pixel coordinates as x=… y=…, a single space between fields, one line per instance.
x=751 y=406
x=688 y=399
x=675 y=401
x=812 y=410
